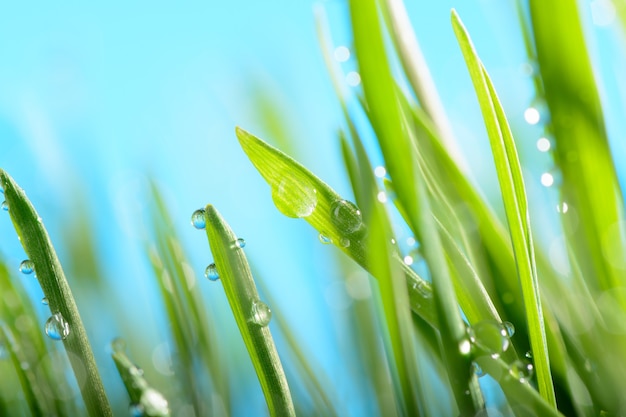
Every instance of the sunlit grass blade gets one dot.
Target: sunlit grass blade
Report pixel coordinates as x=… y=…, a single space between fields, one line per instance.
x=251 y=314
x=40 y=251
x=589 y=180
x=145 y=400
x=515 y=204
x=299 y=193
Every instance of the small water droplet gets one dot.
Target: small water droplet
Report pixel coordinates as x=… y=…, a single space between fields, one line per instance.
x=547 y=179
x=353 y=78
x=324 y=239
x=44 y=301
x=562 y=207
x=118 y=345
x=410 y=241
x=490 y=336
x=543 y=144
x=509 y=328
x=27 y=267
x=57 y=328
x=5 y=206
x=476 y=369
x=422 y=288
x=135 y=371
x=465 y=347
x=381 y=197
x=294 y=198
x=341 y=54
x=211 y=272
x=380 y=171
x=408 y=260
x=529 y=355
x=240 y=243
x=346 y=217
x=344 y=242
x=532 y=116
x=522 y=371
x=197 y=219
x=261 y=313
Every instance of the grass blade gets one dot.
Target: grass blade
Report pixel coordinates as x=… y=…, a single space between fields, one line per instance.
x=40 y=251
x=515 y=204
x=252 y=316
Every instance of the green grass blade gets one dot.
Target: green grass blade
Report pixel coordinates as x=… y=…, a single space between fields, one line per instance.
x=252 y=316
x=144 y=399
x=40 y=251
x=514 y=196
x=297 y=191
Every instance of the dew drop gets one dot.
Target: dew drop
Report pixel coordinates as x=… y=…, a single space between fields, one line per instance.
x=293 y=198
x=324 y=239
x=118 y=345
x=411 y=241
x=5 y=206
x=57 y=328
x=381 y=197
x=211 y=273
x=422 y=288
x=261 y=313
x=509 y=328
x=341 y=54
x=353 y=78
x=476 y=369
x=408 y=260
x=529 y=355
x=240 y=243
x=44 y=301
x=380 y=171
x=465 y=347
x=562 y=207
x=490 y=336
x=153 y=403
x=344 y=242
x=197 y=219
x=27 y=267
x=547 y=179
x=522 y=371
x=532 y=116
x=543 y=144
x=346 y=217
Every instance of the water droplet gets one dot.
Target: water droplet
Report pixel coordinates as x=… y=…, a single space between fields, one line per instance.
x=380 y=171
x=532 y=116
x=381 y=197
x=410 y=241
x=353 y=78
x=197 y=219
x=261 y=313
x=522 y=371
x=408 y=260
x=422 y=288
x=211 y=272
x=135 y=371
x=346 y=217
x=136 y=410
x=476 y=369
x=324 y=239
x=529 y=355
x=27 y=267
x=547 y=179
x=294 y=198
x=543 y=144
x=153 y=403
x=240 y=243
x=57 y=328
x=509 y=328
x=341 y=54
x=118 y=345
x=465 y=347
x=344 y=242
x=44 y=301
x=562 y=207
x=490 y=336
x=5 y=206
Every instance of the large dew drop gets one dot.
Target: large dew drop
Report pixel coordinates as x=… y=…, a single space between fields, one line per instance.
x=491 y=336
x=294 y=198
x=197 y=219
x=27 y=267
x=57 y=328
x=261 y=313
x=346 y=217
x=5 y=206
x=211 y=272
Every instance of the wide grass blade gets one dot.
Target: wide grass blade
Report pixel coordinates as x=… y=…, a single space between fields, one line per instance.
x=40 y=251
x=515 y=204
x=251 y=314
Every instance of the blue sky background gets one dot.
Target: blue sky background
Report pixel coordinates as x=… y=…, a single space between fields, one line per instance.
x=95 y=99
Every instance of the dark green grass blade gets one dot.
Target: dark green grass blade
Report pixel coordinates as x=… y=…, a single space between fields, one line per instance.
x=143 y=398
x=235 y=275
x=514 y=196
x=278 y=168
x=40 y=251
x=582 y=152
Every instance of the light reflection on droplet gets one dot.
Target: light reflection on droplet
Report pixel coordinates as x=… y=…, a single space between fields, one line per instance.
x=411 y=241
x=543 y=144
x=408 y=260
x=380 y=171
x=353 y=78
x=547 y=179
x=382 y=197
x=562 y=207
x=532 y=116
x=341 y=54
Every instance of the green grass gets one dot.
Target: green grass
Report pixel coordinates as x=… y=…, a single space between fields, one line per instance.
x=438 y=341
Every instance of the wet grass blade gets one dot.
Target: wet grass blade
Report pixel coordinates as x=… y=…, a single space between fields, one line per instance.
x=299 y=193
x=515 y=204
x=40 y=251
x=251 y=314
x=145 y=400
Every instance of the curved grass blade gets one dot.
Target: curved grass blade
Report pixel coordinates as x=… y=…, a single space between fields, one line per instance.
x=252 y=316
x=294 y=188
x=40 y=251
x=145 y=400
x=515 y=204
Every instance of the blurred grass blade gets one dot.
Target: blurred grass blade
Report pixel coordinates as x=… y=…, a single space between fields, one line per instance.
x=40 y=251
x=252 y=315
x=515 y=204
x=299 y=193
x=145 y=400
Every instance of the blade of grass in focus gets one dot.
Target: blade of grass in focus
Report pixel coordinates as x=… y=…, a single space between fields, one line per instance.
x=515 y=204
x=251 y=314
x=41 y=253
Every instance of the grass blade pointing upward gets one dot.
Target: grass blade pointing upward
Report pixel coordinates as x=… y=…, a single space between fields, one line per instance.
x=38 y=247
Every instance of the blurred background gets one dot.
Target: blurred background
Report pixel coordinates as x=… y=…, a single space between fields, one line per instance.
x=98 y=100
